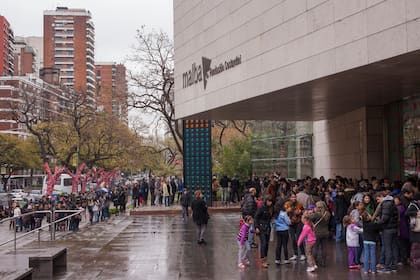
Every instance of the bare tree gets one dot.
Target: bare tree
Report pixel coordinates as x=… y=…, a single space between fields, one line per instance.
x=27 y=112
x=153 y=56
x=241 y=126
x=154 y=79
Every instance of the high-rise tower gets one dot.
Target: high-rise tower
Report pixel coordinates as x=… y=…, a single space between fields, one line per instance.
x=112 y=89
x=69 y=39
x=6 y=48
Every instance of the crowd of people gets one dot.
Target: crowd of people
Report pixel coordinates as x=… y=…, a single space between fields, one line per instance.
x=378 y=219
x=163 y=191
x=307 y=213
x=94 y=206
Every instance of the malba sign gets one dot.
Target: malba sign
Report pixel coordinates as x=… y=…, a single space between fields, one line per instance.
x=203 y=72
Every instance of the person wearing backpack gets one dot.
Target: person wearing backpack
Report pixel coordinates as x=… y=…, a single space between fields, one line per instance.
x=413 y=212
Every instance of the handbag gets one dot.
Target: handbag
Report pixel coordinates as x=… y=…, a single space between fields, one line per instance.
x=320 y=219
x=415 y=220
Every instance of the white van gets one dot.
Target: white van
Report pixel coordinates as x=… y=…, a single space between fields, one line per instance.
x=62 y=185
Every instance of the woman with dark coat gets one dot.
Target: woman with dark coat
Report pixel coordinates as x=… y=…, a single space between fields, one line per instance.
x=413 y=211
x=263 y=227
x=200 y=216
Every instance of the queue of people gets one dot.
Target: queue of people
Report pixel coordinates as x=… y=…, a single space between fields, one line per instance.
x=307 y=213
x=94 y=206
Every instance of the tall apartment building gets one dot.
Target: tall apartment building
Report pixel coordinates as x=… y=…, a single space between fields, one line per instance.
x=6 y=48
x=25 y=58
x=69 y=38
x=37 y=44
x=112 y=89
x=47 y=102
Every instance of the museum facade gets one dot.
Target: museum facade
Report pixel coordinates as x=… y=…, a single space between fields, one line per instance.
x=350 y=67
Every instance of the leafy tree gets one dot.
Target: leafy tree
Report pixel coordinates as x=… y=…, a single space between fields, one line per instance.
x=236 y=158
x=16 y=154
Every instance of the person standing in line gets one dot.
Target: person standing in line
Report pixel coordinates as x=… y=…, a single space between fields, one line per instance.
x=18 y=220
x=180 y=185
x=152 y=190
x=282 y=224
x=370 y=235
x=249 y=208
x=413 y=211
x=388 y=219
x=185 y=203
x=158 y=192
x=321 y=218
x=173 y=190
x=166 y=190
x=235 y=190
x=135 y=195
x=308 y=233
x=352 y=240
x=403 y=233
x=200 y=216
x=224 y=184
x=144 y=191
x=263 y=227
x=243 y=244
x=296 y=226
x=340 y=209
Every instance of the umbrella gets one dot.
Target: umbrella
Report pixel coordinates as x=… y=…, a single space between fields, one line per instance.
x=105 y=190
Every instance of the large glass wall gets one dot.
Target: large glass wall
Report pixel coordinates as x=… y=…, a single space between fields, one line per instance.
x=403 y=125
x=283 y=147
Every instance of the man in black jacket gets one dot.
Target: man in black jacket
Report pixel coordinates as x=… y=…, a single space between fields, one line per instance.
x=388 y=219
x=340 y=210
x=249 y=208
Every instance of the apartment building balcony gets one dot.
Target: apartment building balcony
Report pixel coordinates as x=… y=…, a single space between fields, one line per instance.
x=90 y=37
x=64 y=21
x=64 y=62
x=65 y=42
x=64 y=56
x=64 y=49
x=63 y=28
x=90 y=44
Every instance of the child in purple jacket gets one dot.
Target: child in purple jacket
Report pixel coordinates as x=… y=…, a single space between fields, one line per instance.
x=243 y=243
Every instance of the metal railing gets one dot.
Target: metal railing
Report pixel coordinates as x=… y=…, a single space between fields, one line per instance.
x=39 y=229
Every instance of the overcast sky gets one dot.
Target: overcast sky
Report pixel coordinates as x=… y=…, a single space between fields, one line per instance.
x=115 y=21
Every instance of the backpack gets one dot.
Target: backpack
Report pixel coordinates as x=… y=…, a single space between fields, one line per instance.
x=415 y=220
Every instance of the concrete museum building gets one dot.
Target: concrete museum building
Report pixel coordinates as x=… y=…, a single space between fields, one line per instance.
x=352 y=67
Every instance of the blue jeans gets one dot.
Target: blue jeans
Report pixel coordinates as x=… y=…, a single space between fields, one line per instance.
x=369 y=255
x=185 y=213
x=200 y=231
x=95 y=216
x=225 y=194
x=243 y=251
x=166 y=200
x=338 y=232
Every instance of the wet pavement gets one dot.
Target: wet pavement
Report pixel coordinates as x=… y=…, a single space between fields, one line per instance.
x=163 y=247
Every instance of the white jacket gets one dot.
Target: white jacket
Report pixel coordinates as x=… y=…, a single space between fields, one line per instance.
x=352 y=235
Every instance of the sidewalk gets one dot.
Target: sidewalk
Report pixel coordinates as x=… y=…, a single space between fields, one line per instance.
x=7 y=234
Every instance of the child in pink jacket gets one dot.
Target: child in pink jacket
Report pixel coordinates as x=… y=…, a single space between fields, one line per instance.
x=308 y=232
x=243 y=244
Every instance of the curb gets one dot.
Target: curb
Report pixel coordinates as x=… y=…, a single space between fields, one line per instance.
x=179 y=211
